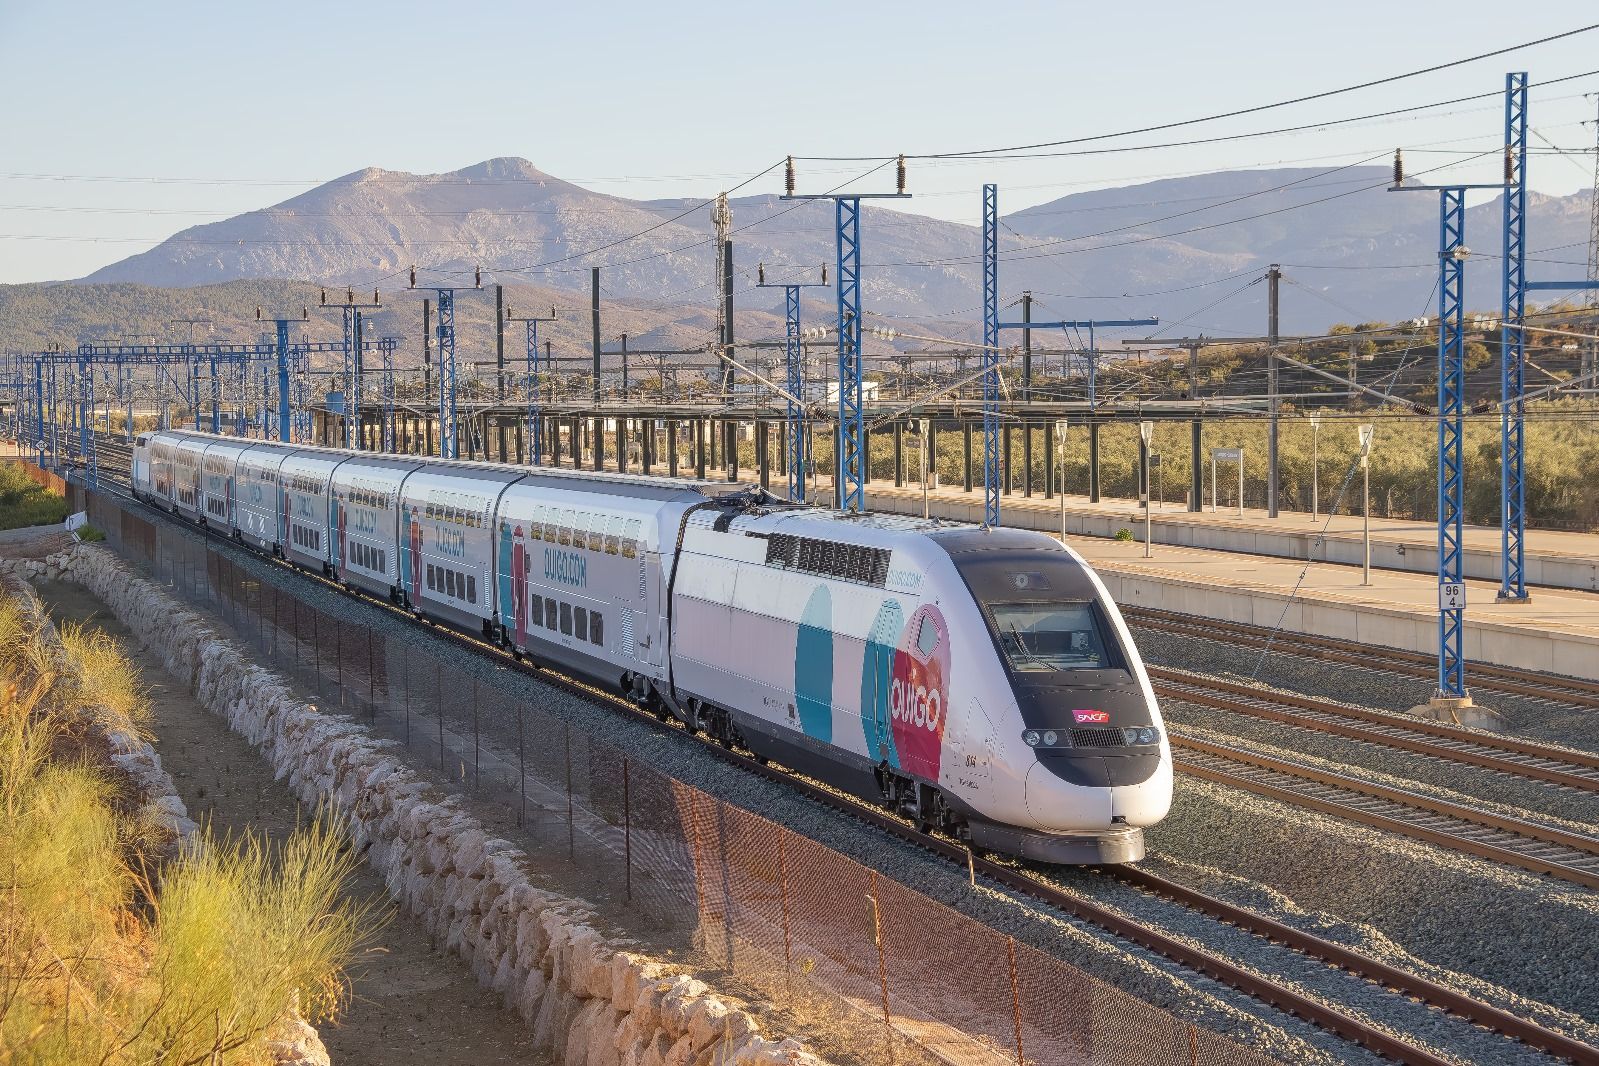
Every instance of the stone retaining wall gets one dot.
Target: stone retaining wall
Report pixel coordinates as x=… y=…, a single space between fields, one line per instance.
x=589 y=999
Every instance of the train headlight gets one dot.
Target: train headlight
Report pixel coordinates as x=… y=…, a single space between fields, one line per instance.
x=1031 y=738
x=1143 y=734
x=1050 y=738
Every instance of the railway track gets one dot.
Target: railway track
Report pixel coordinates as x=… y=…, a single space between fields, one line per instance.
x=1347 y=1025
x=1575 y=692
x=1504 y=754
x=1510 y=841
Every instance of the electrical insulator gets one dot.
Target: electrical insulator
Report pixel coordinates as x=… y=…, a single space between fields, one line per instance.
x=477 y=277
x=349 y=296
x=899 y=175
x=258 y=314
x=1399 y=168
x=824 y=273
x=305 y=313
x=324 y=297
x=413 y=276
x=788 y=177
x=760 y=273
x=1510 y=166
x=375 y=297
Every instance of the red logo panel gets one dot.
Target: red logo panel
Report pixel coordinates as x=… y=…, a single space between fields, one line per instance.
x=1085 y=717
x=919 y=697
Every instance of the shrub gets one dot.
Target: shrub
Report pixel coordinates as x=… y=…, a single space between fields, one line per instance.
x=1124 y=534
x=100 y=963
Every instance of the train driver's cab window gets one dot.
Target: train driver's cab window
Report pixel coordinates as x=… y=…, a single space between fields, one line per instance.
x=1043 y=637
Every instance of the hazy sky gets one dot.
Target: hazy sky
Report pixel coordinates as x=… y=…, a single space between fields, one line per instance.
x=125 y=122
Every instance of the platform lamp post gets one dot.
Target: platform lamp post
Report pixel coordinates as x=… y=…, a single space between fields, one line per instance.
x=1366 y=432
x=1146 y=433
x=1060 y=465
x=923 y=427
x=1315 y=467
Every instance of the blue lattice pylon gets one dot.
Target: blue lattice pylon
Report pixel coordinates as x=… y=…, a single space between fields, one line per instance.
x=852 y=457
x=1512 y=343
x=991 y=382
x=1451 y=410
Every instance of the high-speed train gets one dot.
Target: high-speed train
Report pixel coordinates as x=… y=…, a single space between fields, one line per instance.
x=978 y=680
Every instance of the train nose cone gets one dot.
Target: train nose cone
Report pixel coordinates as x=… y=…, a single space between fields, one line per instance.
x=1060 y=806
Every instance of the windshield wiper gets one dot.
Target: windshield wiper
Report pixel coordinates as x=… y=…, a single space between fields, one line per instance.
x=1021 y=646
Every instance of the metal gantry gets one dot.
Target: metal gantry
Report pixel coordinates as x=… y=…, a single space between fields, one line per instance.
x=535 y=413
x=851 y=457
x=794 y=379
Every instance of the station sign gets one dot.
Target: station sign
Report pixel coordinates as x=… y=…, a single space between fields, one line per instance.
x=1226 y=455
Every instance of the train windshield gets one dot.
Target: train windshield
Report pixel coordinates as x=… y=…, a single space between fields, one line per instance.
x=1046 y=637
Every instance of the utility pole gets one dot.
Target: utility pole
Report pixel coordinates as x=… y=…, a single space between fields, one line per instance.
x=1591 y=363
x=499 y=340
x=1027 y=391
x=594 y=319
x=624 y=368
x=1274 y=277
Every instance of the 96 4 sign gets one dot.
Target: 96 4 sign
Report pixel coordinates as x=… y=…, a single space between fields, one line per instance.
x=1451 y=595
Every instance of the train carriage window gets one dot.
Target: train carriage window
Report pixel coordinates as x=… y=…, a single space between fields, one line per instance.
x=430 y=578
x=549 y=613
x=630 y=545
x=596 y=627
x=449 y=583
x=580 y=623
x=596 y=533
x=383 y=560
x=566 y=619
x=535 y=606
x=565 y=532
x=927 y=637
x=471 y=588
x=613 y=535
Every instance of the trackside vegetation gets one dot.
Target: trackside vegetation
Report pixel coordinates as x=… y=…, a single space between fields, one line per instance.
x=111 y=950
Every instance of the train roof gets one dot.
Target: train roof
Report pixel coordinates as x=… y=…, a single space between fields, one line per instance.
x=549 y=476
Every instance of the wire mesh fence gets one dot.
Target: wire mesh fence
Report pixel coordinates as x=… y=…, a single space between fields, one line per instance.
x=879 y=972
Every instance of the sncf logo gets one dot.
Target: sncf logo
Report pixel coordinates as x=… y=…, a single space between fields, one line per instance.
x=1090 y=717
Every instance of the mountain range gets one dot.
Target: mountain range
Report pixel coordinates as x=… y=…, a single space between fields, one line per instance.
x=1182 y=249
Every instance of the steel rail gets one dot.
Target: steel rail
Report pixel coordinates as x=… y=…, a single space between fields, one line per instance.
x=1577 y=770
x=1577 y=692
x=1257 y=986
x=1508 y=841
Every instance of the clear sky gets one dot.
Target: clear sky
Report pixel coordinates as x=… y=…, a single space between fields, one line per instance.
x=125 y=122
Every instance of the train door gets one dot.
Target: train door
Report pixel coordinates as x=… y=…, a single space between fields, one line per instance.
x=651 y=645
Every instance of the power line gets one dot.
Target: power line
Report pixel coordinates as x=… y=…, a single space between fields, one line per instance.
x=1258 y=108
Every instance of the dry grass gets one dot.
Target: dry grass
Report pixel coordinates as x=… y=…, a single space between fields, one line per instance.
x=102 y=963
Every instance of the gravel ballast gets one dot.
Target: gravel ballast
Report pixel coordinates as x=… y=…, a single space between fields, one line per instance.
x=1154 y=979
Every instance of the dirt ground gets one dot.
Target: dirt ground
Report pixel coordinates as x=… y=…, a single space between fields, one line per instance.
x=412 y=1003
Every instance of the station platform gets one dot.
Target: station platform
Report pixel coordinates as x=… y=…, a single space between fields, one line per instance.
x=1554 y=559
x=1558 y=631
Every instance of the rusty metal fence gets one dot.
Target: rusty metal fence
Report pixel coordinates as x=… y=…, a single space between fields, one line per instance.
x=874 y=971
